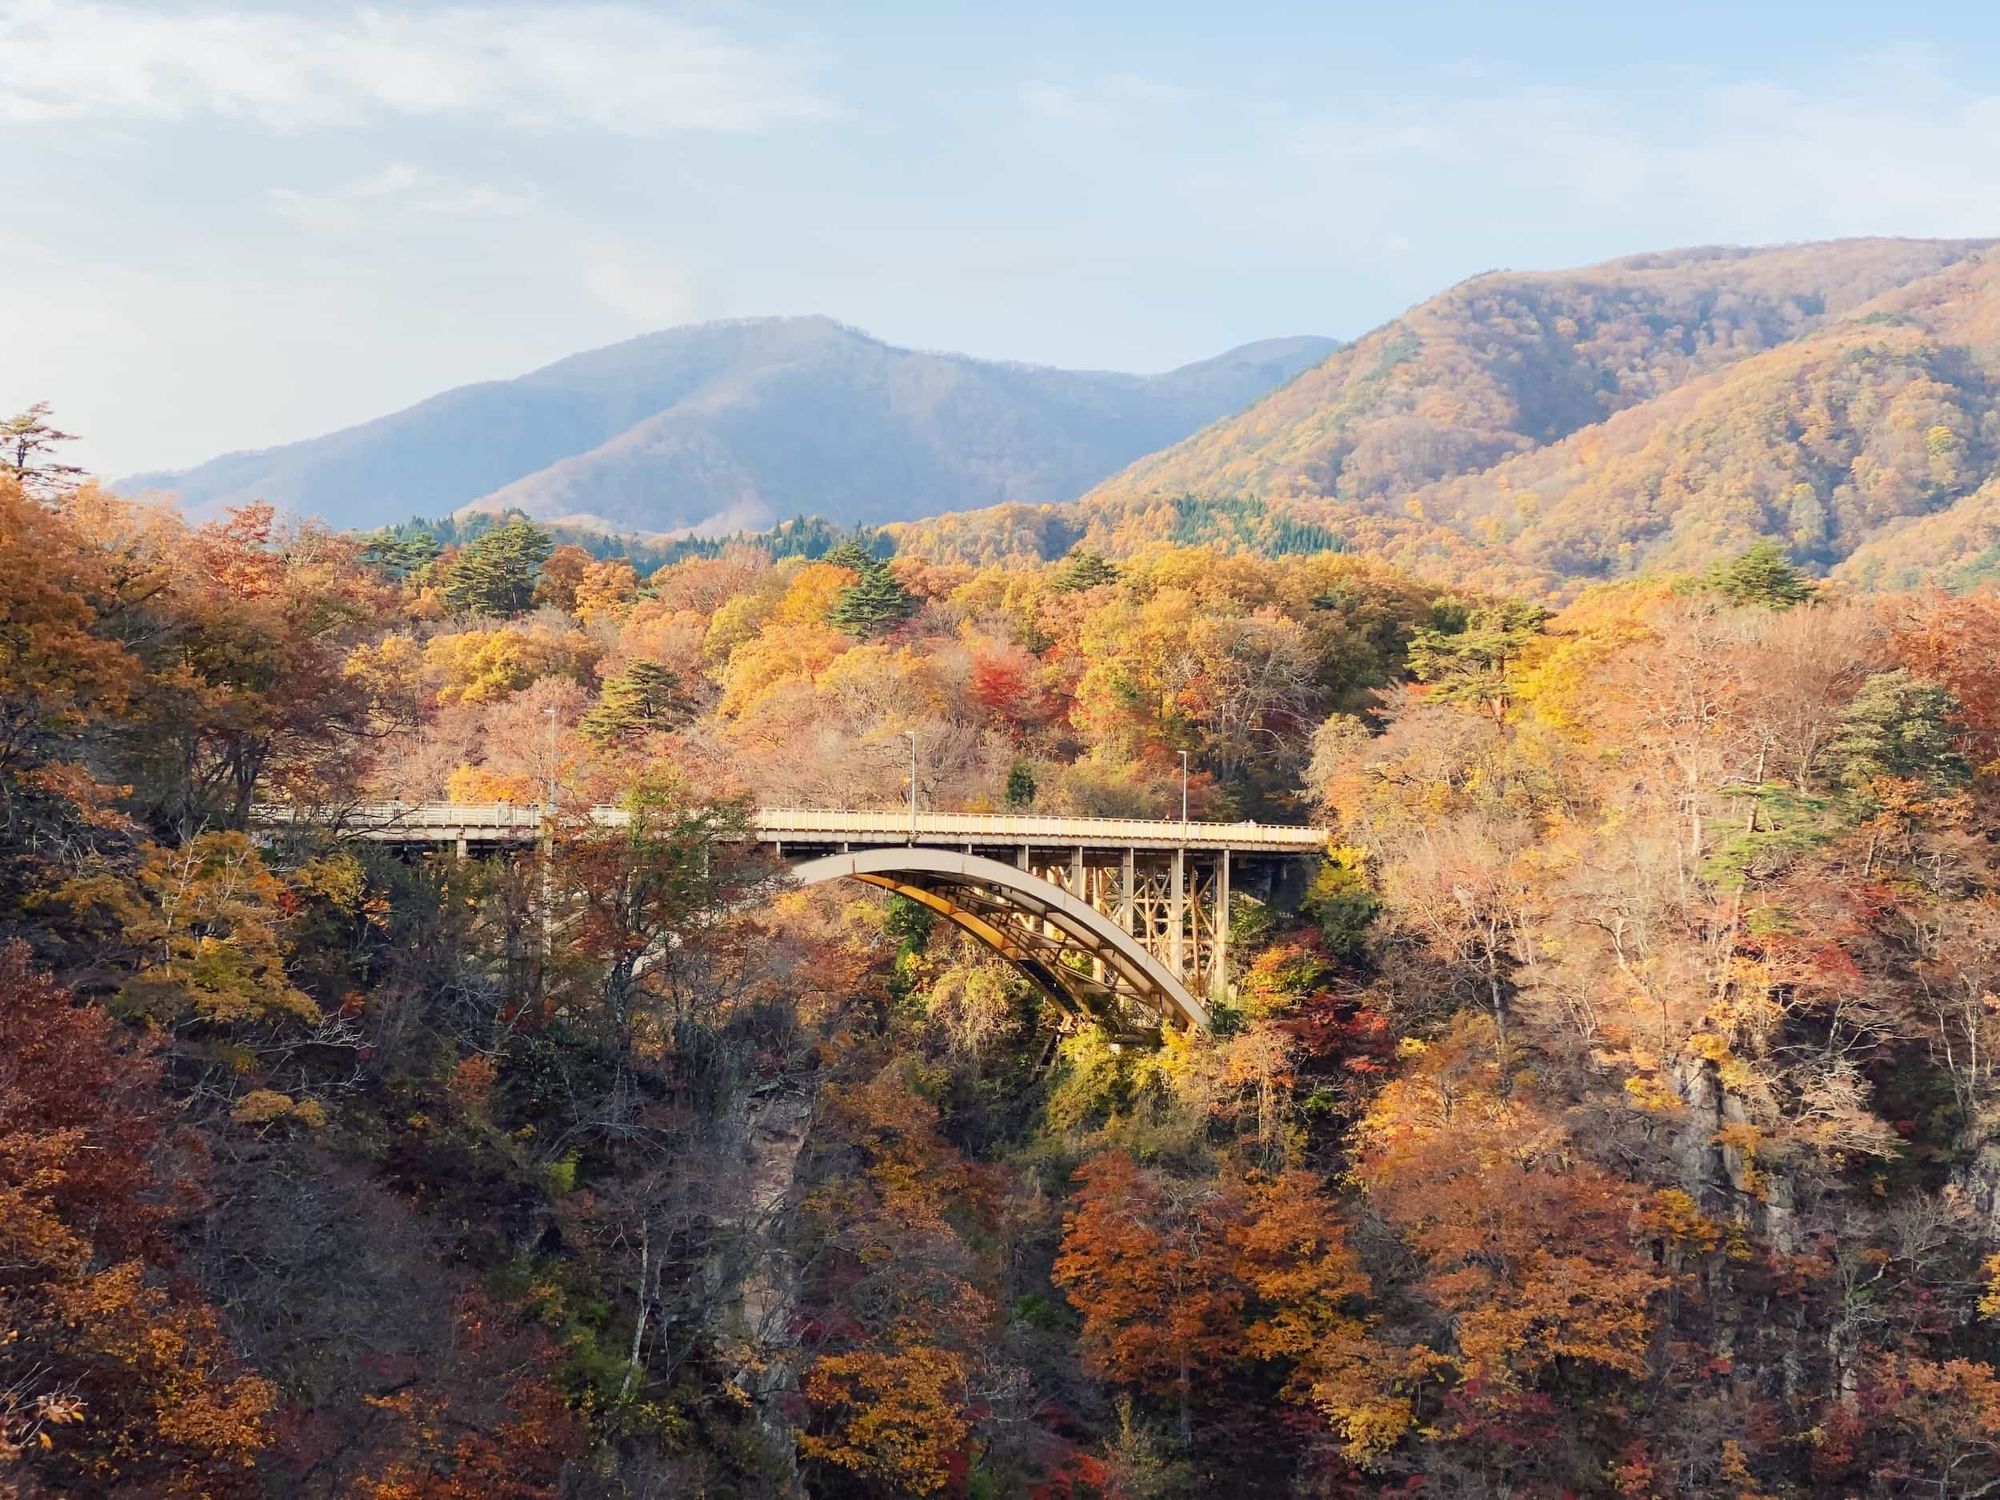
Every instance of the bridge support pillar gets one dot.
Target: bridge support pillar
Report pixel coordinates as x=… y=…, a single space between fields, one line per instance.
x=1218 y=964
x=1125 y=876
x=1177 y=916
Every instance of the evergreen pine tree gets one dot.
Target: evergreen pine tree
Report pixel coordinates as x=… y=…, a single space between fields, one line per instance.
x=1464 y=654
x=1899 y=726
x=1083 y=570
x=496 y=574
x=399 y=551
x=1762 y=575
x=850 y=554
x=644 y=696
x=27 y=446
x=1021 y=786
x=875 y=601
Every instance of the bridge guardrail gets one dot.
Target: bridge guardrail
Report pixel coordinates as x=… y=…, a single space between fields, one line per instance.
x=1007 y=828
x=486 y=821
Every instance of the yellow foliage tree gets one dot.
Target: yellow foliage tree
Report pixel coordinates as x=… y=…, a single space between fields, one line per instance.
x=895 y=1418
x=605 y=590
x=485 y=666
x=477 y=784
x=207 y=919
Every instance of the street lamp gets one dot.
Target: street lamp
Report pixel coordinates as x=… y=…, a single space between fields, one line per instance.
x=1184 y=776
x=549 y=847
x=552 y=759
x=911 y=736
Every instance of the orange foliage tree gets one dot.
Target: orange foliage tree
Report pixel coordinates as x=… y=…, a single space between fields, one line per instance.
x=115 y=1378
x=494 y=1427
x=1180 y=1281
x=1529 y=1249
x=896 y=1418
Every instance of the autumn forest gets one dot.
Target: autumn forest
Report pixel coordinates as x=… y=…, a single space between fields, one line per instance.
x=1615 y=1113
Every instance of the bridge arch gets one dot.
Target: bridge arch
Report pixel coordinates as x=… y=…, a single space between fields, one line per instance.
x=1079 y=957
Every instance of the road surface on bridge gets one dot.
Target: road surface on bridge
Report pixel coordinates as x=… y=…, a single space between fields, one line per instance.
x=505 y=822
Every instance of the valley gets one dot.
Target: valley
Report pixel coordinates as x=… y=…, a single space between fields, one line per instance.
x=1438 y=934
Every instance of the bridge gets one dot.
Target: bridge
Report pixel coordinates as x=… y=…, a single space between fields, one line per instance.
x=1107 y=916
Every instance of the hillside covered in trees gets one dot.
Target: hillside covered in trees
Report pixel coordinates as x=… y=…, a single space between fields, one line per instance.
x=1616 y=1116
x=728 y=426
x=1532 y=429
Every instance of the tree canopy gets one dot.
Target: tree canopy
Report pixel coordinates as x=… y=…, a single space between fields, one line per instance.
x=496 y=574
x=1606 y=1108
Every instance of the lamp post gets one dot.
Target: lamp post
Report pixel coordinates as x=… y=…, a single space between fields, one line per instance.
x=549 y=847
x=911 y=736
x=1184 y=779
x=552 y=759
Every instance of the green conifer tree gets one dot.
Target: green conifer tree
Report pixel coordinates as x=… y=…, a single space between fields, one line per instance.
x=27 y=448
x=644 y=696
x=399 y=551
x=1021 y=786
x=1464 y=653
x=1083 y=570
x=1762 y=575
x=850 y=554
x=495 y=575
x=874 y=602
x=1899 y=726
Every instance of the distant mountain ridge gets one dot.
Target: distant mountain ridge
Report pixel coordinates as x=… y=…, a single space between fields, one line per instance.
x=725 y=426
x=1535 y=429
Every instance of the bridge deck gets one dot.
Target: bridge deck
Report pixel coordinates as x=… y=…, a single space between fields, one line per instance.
x=502 y=822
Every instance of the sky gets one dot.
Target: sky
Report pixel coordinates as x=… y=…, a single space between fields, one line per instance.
x=232 y=225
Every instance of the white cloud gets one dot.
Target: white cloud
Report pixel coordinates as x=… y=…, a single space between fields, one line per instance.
x=650 y=289
x=1890 y=149
x=610 y=66
x=398 y=191
x=1116 y=99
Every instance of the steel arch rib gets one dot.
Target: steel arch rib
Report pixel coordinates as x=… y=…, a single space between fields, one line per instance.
x=1044 y=899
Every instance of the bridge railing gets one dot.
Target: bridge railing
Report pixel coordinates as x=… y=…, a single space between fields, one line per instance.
x=1011 y=828
x=485 y=821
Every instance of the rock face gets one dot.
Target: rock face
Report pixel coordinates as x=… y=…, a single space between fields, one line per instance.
x=756 y=1280
x=727 y=426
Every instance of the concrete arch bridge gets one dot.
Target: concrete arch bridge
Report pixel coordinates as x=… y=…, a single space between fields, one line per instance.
x=1119 y=919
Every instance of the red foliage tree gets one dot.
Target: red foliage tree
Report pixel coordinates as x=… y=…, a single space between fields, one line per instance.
x=115 y=1377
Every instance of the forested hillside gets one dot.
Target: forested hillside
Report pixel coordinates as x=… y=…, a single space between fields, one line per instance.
x=1522 y=431
x=720 y=427
x=1533 y=429
x=1616 y=1116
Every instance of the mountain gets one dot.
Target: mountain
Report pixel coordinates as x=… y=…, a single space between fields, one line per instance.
x=731 y=425
x=1535 y=428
